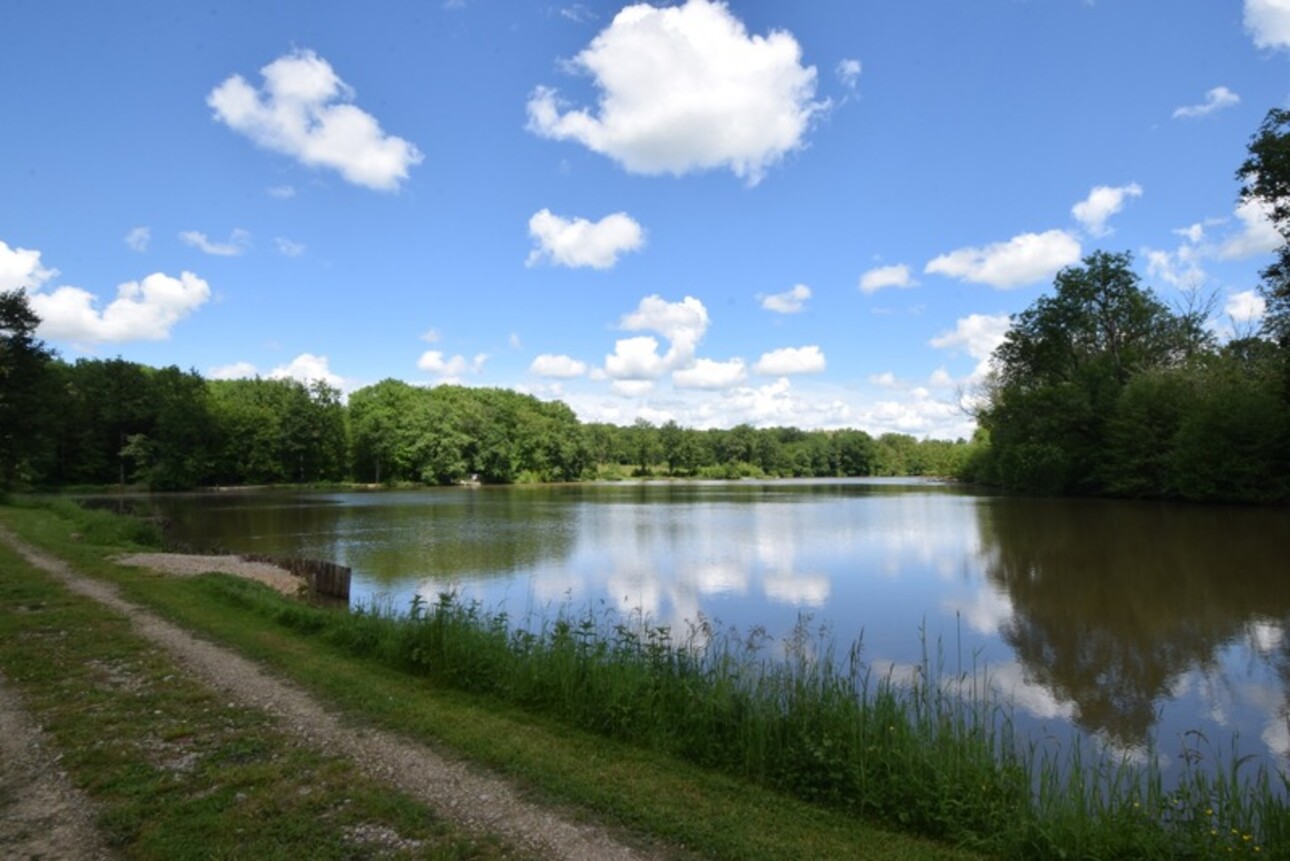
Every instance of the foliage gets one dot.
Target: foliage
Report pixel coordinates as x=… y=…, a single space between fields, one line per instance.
x=25 y=420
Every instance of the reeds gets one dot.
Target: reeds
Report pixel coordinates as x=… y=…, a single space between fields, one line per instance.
x=928 y=751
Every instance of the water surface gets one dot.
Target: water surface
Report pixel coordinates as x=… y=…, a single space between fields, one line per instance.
x=1127 y=621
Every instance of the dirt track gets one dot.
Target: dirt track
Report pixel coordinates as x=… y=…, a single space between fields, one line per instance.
x=456 y=792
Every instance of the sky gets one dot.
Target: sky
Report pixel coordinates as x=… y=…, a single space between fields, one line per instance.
x=817 y=214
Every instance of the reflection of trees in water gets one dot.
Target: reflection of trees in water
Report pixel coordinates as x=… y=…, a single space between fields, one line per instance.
x=1113 y=600
x=439 y=534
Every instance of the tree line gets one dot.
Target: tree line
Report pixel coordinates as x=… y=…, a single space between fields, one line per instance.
x=101 y=422
x=1103 y=389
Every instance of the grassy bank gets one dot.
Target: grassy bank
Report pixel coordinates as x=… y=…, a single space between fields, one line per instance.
x=706 y=742
x=697 y=811
x=175 y=771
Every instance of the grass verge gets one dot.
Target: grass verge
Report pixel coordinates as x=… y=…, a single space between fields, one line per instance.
x=175 y=771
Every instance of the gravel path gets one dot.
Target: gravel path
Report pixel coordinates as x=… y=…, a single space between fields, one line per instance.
x=41 y=814
x=457 y=793
x=185 y=565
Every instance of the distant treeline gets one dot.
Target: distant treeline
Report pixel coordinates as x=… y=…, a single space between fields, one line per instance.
x=99 y=422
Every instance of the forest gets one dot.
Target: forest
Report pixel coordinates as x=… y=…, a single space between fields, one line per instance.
x=1100 y=388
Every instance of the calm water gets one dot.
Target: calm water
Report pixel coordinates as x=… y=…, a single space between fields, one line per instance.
x=1123 y=620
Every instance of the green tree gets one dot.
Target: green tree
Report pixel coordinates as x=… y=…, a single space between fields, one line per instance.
x=1265 y=178
x=24 y=380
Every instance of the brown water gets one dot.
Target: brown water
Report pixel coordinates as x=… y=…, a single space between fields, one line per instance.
x=1126 y=621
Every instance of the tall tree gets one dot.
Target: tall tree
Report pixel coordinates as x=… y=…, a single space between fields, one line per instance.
x=1265 y=178
x=24 y=378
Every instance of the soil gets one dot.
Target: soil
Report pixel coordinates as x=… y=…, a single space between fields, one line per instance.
x=455 y=790
x=41 y=814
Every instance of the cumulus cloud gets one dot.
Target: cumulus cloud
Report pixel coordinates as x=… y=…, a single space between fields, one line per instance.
x=1215 y=100
x=579 y=242
x=142 y=311
x=1245 y=307
x=848 y=72
x=1022 y=260
x=686 y=88
x=435 y=362
x=308 y=369
x=710 y=374
x=790 y=360
x=635 y=359
x=1258 y=234
x=1268 y=22
x=304 y=110
x=236 y=245
x=21 y=269
x=281 y=192
x=789 y=302
x=682 y=323
x=632 y=388
x=978 y=335
x=886 y=276
x=138 y=238
x=1102 y=202
x=562 y=367
x=1179 y=268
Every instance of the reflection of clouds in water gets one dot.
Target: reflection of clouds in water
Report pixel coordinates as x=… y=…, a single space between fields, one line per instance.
x=1007 y=683
x=718 y=578
x=986 y=612
x=556 y=586
x=1264 y=637
x=1233 y=704
x=798 y=590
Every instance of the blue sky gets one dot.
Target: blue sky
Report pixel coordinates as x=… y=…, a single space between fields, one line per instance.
x=817 y=214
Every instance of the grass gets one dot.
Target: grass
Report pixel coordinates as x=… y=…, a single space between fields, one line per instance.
x=177 y=772
x=709 y=743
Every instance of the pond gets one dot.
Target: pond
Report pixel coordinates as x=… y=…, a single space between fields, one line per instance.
x=1125 y=621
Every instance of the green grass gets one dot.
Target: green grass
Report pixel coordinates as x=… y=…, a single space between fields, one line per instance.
x=177 y=772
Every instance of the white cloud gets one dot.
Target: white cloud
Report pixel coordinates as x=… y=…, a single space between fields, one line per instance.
x=579 y=242
x=1245 y=307
x=138 y=238
x=235 y=371
x=435 y=362
x=978 y=335
x=710 y=374
x=886 y=380
x=1258 y=234
x=430 y=336
x=686 y=88
x=1179 y=268
x=1103 y=202
x=563 y=367
x=788 y=302
x=635 y=359
x=281 y=192
x=238 y=242
x=1193 y=233
x=308 y=368
x=632 y=388
x=304 y=111
x=1268 y=22
x=513 y=341
x=682 y=323
x=790 y=360
x=142 y=311
x=1215 y=100
x=940 y=379
x=1021 y=260
x=20 y=269
x=886 y=276
x=848 y=72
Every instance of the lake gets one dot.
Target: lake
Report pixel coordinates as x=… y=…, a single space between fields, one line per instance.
x=1126 y=621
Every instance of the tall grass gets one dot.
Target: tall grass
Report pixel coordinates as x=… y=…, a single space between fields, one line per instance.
x=935 y=754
